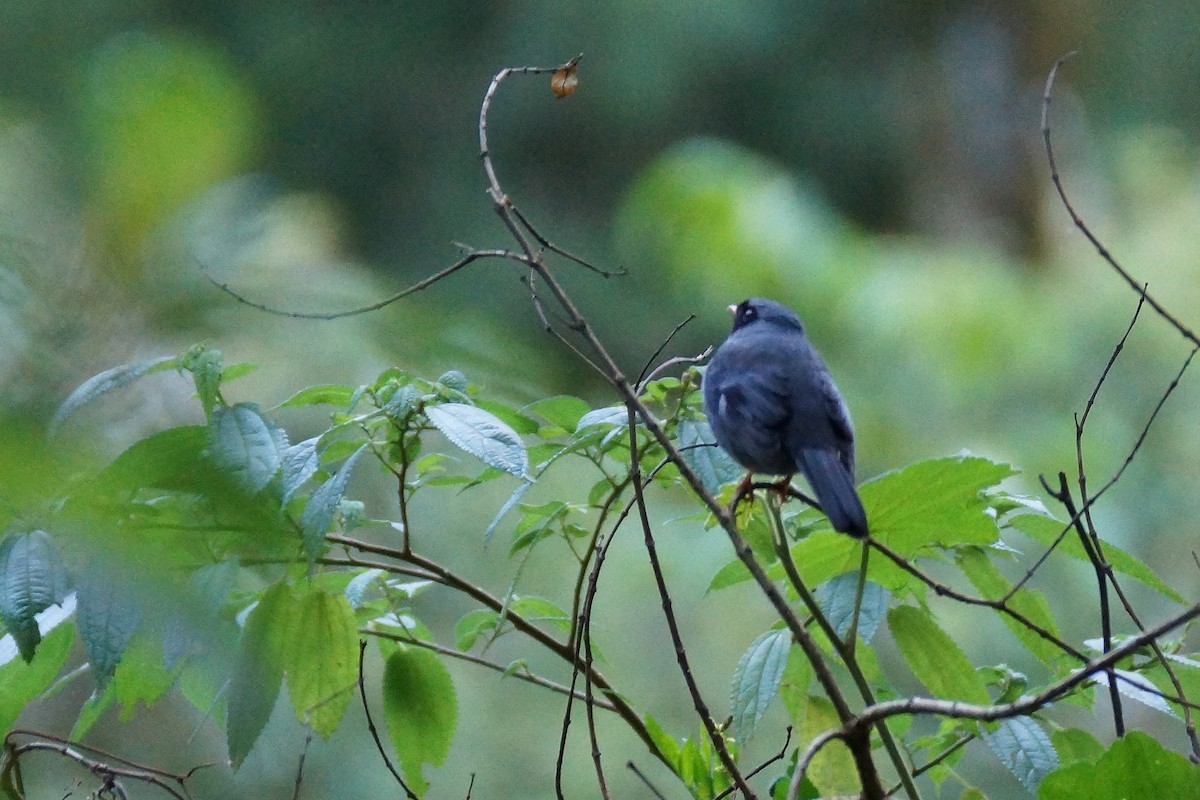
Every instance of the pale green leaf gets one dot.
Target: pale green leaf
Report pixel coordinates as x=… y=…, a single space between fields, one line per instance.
x=936 y=502
x=421 y=710
x=322 y=660
x=259 y=667
x=300 y=462
x=105 y=382
x=934 y=658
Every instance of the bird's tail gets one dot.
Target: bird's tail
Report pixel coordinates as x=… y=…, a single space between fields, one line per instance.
x=834 y=487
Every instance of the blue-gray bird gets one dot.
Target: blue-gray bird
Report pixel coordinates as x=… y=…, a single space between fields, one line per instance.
x=774 y=408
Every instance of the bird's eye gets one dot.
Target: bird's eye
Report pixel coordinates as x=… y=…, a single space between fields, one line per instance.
x=748 y=314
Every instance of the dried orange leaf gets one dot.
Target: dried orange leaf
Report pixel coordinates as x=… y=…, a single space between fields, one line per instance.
x=565 y=80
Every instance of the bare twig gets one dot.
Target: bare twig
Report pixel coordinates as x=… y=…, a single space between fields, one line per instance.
x=421 y=285
x=1100 y=249
x=362 y=693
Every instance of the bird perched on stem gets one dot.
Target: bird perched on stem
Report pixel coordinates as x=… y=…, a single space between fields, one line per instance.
x=774 y=408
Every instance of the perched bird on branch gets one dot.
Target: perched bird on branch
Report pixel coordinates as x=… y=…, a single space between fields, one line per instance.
x=774 y=408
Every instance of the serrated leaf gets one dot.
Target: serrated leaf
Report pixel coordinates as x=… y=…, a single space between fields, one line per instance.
x=322 y=660
x=934 y=658
x=107 y=617
x=1044 y=530
x=32 y=578
x=1137 y=687
x=756 y=679
x=1024 y=748
x=242 y=444
x=318 y=512
x=481 y=434
x=712 y=465
x=299 y=462
x=105 y=382
x=258 y=668
x=836 y=598
x=325 y=394
x=939 y=501
x=421 y=710
x=1136 y=766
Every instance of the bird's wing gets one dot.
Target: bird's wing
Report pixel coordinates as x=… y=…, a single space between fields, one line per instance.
x=839 y=420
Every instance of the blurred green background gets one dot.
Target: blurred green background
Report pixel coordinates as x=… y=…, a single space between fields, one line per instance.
x=878 y=166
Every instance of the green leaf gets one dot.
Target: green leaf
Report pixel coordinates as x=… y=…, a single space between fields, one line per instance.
x=206 y=368
x=421 y=710
x=324 y=394
x=977 y=565
x=663 y=741
x=243 y=445
x=141 y=676
x=519 y=422
x=756 y=679
x=322 y=660
x=1044 y=530
x=562 y=411
x=1024 y=748
x=936 y=502
x=482 y=435
x=259 y=667
x=107 y=617
x=1075 y=744
x=32 y=578
x=105 y=382
x=1136 y=766
x=934 y=658
x=832 y=771
x=21 y=681
x=319 y=510
x=300 y=462
x=712 y=465
x=793 y=686
x=472 y=625
x=731 y=574
x=836 y=597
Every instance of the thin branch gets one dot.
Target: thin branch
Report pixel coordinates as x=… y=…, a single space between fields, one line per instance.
x=362 y=693
x=715 y=735
x=1100 y=249
x=643 y=378
x=420 y=285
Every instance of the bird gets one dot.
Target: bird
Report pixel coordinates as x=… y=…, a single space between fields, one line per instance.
x=773 y=406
